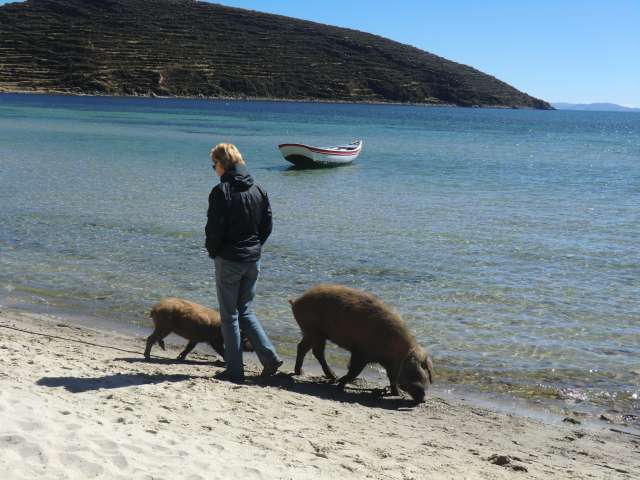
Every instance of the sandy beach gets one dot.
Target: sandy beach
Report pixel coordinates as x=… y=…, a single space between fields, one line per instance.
x=81 y=403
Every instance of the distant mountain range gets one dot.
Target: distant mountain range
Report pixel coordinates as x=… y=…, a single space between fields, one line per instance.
x=596 y=107
x=197 y=49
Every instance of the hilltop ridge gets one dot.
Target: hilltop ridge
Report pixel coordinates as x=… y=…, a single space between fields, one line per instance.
x=193 y=48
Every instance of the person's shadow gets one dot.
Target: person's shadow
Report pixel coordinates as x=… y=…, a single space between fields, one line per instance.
x=118 y=380
x=171 y=361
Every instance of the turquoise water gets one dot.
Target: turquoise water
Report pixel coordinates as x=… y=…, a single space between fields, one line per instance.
x=508 y=240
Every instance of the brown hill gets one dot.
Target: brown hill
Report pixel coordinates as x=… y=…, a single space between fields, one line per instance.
x=191 y=48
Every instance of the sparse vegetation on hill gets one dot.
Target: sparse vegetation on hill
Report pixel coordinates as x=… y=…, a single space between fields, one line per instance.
x=191 y=48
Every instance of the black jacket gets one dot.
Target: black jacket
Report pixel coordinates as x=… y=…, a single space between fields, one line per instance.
x=239 y=217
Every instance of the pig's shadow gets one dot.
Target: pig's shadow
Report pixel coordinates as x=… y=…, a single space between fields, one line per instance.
x=171 y=361
x=119 y=380
x=361 y=392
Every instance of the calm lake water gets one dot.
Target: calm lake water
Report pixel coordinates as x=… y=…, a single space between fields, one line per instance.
x=508 y=240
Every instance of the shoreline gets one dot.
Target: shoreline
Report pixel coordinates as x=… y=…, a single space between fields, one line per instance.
x=77 y=402
x=546 y=409
x=63 y=93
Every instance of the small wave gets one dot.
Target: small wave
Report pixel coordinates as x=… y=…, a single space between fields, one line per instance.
x=593 y=391
x=144 y=230
x=384 y=274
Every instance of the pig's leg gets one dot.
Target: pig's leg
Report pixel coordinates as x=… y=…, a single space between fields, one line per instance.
x=303 y=348
x=150 y=341
x=190 y=346
x=356 y=365
x=318 y=352
x=245 y=343
x=393 y=372
x=218 y=346
x=156 y=336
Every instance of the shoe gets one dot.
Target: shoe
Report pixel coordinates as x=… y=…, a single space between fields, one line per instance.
x=226 y=376
x=271 y=368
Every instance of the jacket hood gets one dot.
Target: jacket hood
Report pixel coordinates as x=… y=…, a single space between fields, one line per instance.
x=239 y=177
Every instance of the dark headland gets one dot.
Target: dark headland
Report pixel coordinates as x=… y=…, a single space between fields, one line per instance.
x=192 y=48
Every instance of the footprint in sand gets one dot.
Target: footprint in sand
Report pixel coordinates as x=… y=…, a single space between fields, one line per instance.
x=195 y=476
x=29 y=452
x=10 y=441
x=87 y=469
x=30 y=426
x=134 y=448
x=32 y=453
x=216 y=447
x=105 y=444
x=118 y=460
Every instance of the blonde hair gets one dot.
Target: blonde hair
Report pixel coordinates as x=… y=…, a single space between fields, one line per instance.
x=227 y=154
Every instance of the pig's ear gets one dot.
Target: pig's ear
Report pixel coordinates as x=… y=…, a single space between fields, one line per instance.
x=427 y=365
x=413 y=356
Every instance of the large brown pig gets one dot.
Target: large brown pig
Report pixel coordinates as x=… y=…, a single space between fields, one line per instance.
x=362 y=324
x=187 y=319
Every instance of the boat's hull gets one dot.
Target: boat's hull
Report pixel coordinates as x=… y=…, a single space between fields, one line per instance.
x=305 y=156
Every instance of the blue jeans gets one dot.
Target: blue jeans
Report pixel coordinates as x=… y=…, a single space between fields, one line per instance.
x=236 y=288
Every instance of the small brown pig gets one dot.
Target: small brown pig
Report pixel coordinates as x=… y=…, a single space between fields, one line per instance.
x=187 y=319
x=362 y=324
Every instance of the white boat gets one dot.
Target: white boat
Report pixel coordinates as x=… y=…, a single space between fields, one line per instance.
x=308 y=157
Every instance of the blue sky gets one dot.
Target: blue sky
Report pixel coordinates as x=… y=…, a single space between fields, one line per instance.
x=578 y=51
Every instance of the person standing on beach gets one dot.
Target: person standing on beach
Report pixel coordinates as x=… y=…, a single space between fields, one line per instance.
x=238 y=224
